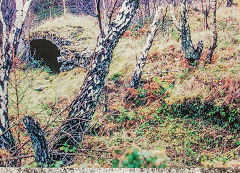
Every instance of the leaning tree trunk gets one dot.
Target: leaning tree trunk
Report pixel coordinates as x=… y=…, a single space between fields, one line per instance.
x=39 y=142
x=214 y=43
x=183 y=28
x=143 y=57
x=10 y=40
x=82 y=109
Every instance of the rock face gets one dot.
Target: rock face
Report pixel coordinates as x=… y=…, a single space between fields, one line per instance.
x=67 y=59
x=80 y=59
x=75 y=43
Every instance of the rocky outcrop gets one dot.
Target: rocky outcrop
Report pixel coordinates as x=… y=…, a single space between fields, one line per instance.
x=75 y=43
x=68 y=58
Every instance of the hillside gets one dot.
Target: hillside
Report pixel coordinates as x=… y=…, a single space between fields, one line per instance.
x=184 y=115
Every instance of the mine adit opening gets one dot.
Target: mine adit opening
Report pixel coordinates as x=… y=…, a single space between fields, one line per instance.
x=47 y=52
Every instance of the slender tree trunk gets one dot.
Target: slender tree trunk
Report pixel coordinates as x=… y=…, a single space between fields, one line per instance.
x=105 y=14
x=96 y=2
x=206 y=12
x=239 y=14
x=183 y=28
x=64 y=9
x=214 y=44
x=83 y=107
x=39 y=142
x=143 y=57
x=6 y=138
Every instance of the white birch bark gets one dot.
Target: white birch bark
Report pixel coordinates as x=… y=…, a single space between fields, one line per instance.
x=143 y=57
x=10 y=42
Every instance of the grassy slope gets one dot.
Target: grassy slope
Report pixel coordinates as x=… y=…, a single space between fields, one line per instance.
x=187 y=141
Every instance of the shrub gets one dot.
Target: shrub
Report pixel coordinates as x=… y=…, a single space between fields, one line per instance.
x=224 y=116
x=134 y=158
x=116 y=76
x=145 y=94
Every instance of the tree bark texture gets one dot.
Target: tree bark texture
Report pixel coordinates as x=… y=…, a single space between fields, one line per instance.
x=214 y=43
x=183 y=28
x=83 y=107
x=39 y=142
x=143 y=57
x=10 y=40
x=229 y=3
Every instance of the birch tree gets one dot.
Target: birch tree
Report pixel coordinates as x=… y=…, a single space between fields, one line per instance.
x=214 y=41
x=183 y=28
x=205 y=10
x=83 y=107
x=12 y=30
x=148 y=44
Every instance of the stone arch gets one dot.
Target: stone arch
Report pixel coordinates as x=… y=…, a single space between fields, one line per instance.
x=47 y=47
x=47 y=52
x=67 y=58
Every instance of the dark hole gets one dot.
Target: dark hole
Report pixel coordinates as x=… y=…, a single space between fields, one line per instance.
x=47 y=52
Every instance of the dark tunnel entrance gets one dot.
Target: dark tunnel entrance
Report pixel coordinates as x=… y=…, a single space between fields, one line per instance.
x=47 y=52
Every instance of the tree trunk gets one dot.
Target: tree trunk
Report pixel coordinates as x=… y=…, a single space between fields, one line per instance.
x=239 y=14
x=105 y=14
x=229 y=3
x=143 y=57
x=10 y=40
x=206 y=12
x=39 y=142
x=64 y=9
x=6 y=138
x=214 y=44
x=83 y=107
x=183 y=28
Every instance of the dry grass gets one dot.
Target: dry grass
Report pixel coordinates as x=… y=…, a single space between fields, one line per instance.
x=82 y=31
x=124 y=125
x=63 y=26
x=38 y=89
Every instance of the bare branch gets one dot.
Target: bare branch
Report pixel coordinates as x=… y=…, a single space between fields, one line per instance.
x=105 y=18
x=112 y=11
x=99 y=19
x=148 y=44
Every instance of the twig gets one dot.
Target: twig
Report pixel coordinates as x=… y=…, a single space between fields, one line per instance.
x=19 y=157
x=99 y=19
